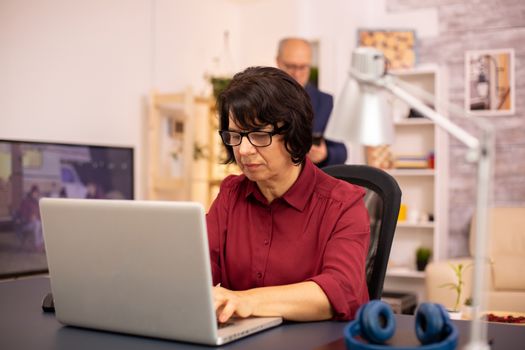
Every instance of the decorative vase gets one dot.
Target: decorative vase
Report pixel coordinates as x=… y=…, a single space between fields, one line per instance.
x=421 y=265
x=467 y=312
x=455 y=314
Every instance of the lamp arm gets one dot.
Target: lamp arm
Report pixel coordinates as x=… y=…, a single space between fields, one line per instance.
x=416 y=91
x=483 y=149
x=459 y=133
x=429 y=98
x=368 y=69
x=478 y=328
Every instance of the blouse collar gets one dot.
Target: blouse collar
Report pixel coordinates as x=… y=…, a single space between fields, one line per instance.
x=298 y=195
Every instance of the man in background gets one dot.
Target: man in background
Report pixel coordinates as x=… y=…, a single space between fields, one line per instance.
x=294 y=56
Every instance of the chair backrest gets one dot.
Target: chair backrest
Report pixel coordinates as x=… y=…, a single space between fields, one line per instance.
x=382 y=199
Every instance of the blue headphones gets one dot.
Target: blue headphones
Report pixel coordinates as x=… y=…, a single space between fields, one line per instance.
x=375 y=322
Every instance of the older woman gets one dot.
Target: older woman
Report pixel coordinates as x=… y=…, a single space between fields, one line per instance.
x=285 y=238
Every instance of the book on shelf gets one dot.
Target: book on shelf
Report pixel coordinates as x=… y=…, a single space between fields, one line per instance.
x=411 y=162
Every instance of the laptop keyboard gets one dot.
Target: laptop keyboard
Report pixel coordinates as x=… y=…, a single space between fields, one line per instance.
x=224 y=324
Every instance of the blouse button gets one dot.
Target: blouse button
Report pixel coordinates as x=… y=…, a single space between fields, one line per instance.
x=266 y=242
x=259 y=275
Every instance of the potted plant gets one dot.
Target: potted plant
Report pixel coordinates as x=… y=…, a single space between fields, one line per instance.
x=423 y=255
x=457 y=287
x=467 y=308
x=219 y=84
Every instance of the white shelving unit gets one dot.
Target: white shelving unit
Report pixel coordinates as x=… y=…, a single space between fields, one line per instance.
x=424 y=190
x=411 y=172
x=405 y=273
x=429 y=225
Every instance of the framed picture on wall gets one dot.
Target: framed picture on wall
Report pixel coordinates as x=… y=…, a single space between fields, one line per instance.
x=398 y=45
x=489 y=85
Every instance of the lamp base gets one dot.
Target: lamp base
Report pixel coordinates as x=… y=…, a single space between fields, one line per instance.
x=476 y=346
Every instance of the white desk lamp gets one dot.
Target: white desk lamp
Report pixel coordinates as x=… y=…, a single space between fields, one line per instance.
x=361 y=117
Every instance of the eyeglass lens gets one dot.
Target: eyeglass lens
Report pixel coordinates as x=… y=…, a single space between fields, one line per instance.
x=256 y=138
x=296 y=67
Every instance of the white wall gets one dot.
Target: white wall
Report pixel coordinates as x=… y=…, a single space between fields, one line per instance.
x=188 y=34
x=67 y=66
x=78 y=71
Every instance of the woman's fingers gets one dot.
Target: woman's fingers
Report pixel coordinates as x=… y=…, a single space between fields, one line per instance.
x=227 y=311
x=227 y=303
x=218 y=298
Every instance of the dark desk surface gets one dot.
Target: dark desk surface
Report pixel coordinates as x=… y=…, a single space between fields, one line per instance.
x=24 y=326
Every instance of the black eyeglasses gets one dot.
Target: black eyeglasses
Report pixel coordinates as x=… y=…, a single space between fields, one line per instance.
x=295 y=67
x=256 y=138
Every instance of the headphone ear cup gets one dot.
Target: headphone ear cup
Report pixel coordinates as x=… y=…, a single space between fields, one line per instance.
x=430 y=322
x=376 y=321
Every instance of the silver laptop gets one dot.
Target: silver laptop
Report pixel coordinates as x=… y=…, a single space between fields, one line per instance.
x=139 y=267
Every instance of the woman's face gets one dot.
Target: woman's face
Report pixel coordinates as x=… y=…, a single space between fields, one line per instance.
x=262 y=164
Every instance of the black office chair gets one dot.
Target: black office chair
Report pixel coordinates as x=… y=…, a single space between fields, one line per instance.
x=382 y=199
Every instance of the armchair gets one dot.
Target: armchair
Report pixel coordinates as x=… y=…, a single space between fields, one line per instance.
x=506 y=252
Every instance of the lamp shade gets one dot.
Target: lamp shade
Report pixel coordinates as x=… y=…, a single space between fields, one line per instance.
x=361 y=116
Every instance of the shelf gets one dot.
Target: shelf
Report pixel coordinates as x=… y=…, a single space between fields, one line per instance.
x=404 y=272
x=413 y=122
x=175 y=110
x=411 y=172
x=429 y=225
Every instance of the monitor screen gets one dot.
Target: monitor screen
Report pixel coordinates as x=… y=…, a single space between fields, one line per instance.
x=32 y=170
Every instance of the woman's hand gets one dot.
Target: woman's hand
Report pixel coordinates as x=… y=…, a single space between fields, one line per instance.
x=303 y=301
x=229 y=303
x=318 y=153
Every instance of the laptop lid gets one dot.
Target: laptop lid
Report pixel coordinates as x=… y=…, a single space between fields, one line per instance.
x=139 y=267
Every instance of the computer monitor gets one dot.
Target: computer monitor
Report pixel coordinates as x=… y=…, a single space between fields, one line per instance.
x=30 y=170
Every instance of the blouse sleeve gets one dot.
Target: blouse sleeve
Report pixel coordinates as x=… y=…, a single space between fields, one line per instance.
x=216 y=222
x=342 y=276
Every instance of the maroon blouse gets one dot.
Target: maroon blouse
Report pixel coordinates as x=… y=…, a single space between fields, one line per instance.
x=317 y=231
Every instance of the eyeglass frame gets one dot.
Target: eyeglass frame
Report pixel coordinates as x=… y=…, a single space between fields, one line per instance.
x=246 y=134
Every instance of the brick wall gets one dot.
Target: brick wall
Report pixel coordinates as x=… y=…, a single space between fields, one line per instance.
x=478 y=25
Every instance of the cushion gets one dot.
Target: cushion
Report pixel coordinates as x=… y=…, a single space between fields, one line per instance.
x=508 y=273
x=507 y=247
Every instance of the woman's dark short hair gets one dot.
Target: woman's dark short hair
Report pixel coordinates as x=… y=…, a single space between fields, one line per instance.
x=261 y=96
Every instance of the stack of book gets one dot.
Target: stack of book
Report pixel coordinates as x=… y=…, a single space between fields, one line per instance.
x=411 y=162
